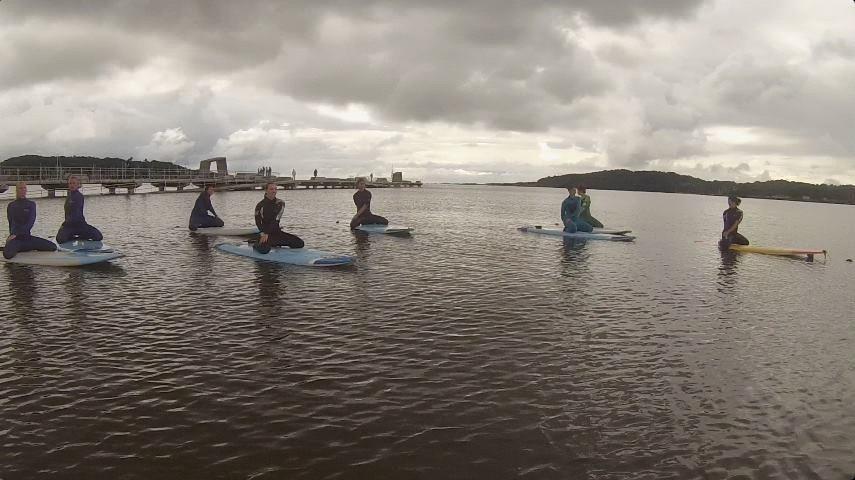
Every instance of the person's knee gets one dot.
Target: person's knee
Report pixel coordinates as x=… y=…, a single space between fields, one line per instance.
x=263 y=249
x=97 y=235
x=297 y=243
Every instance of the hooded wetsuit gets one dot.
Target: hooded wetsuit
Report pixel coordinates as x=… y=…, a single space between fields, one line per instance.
x=200 y=218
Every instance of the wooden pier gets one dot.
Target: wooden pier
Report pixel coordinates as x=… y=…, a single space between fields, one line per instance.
x=52 y=179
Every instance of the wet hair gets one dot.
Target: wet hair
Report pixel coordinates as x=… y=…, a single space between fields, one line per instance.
x=269 y=184
x=581 y=188
x=207 y=186
x=734 y=199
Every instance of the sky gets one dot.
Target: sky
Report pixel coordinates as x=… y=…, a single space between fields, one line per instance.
x=444 y=91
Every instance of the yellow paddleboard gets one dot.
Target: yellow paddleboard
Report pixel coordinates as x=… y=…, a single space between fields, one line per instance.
x=790 y=252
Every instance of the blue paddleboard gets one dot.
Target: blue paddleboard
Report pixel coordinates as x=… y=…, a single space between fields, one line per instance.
x=384 y=229
x=293 y=256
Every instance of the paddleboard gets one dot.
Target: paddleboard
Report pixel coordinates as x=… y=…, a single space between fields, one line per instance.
x=581 y=235
x=85 y=246
x=227 y=231
x=384 y=229
x=612 y=231
x=789 y=252
x=296 y=256
x=62 y=258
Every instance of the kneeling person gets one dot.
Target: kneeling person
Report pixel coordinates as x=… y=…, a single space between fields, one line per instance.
x=75 y=227
x=362 y=199
x=22 y=216
x=571 y=209
x=203 y=214
x=267 y=214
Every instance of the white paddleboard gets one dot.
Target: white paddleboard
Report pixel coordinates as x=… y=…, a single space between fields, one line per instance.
x=227 y=231
x=581 y=235
x=62 y=258
x=384 y=229
x=293 y=256
x=85 y=246
x=612 y=231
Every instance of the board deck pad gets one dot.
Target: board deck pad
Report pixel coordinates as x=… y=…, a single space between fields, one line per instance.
x=62 y=258
x=292 y=256
x=227 y=231
x=85 y=246
x=580 y=235
x=385 y=229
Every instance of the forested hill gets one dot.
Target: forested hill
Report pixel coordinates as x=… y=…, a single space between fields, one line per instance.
x=670 y=182
x=109 y=162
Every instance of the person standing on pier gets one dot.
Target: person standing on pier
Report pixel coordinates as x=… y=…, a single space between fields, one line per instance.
x=268 y=212
x=362 y=199
x=315 y=174
x=203 y=214
x=21 y=214
x=75 y=227
x=294 y=174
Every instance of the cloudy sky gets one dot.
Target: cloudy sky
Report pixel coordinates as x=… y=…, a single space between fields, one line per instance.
x=463 y=91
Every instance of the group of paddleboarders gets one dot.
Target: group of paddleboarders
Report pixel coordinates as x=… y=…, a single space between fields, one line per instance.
x=576 y=217
x=21 y=214
x=268 y=213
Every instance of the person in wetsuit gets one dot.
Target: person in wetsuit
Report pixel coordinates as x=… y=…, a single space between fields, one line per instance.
x=267 y=214
x=571 y=208
x=585 y=200
x=203 y=214
x=362 y=199
x=732 y=218
x=22 y=216
x=75 y=227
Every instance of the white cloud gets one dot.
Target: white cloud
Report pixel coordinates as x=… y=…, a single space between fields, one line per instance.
x=496 y=90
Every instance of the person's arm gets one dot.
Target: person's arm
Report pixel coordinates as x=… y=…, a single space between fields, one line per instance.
x=9 y=218
x=565 y=214
x=209 y=206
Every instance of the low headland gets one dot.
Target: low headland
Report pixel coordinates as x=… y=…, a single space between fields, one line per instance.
x=670 y=182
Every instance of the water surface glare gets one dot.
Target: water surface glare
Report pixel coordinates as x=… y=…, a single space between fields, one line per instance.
x=469 y=350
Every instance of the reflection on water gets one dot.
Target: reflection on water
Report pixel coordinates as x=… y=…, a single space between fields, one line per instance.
x=469 y=350
x=22 y=286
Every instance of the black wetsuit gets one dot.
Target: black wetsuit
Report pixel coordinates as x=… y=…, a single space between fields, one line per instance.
x=361 y=198
x=22 y=216
x=75 y=227
x=199 y=217
x=731 y=216
x=267 y=215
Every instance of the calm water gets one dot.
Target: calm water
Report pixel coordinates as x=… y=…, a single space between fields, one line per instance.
x=467 y=351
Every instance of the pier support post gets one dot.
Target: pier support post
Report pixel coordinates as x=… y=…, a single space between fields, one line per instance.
x=131 y=190
x=51 y=193
x=161 y=188
x=112 y=190
x=180 y=188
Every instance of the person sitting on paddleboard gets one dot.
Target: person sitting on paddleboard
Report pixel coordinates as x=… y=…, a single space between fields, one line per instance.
x=203 y=214
x=75 y=227
x=571 y=208
x=585 y=200
x=362 y=199
x=267 y=214
x=732 y=218
x=22 y=216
